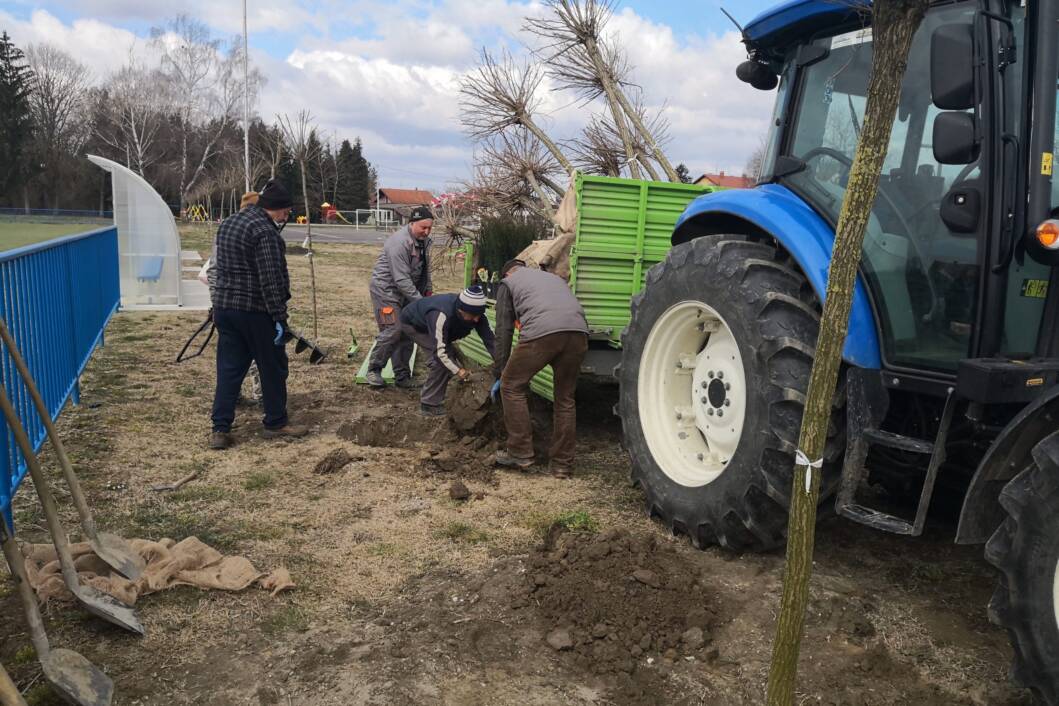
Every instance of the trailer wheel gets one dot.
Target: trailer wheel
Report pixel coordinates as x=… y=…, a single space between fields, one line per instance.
x=1026 y=551
x=715 y=365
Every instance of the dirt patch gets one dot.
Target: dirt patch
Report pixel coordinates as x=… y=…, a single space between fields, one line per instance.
x=461 y=459
x=619 y=598
x=387 y=428
x=335 y=461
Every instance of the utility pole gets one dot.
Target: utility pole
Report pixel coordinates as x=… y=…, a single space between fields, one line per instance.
x=246 y=100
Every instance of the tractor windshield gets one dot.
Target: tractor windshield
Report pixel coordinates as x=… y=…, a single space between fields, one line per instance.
x=923 y=278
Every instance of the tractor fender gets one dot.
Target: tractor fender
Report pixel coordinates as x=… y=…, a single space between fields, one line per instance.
x=775 y=211
x=1009 y=455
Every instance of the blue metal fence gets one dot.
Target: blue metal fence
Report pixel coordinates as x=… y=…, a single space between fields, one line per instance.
x=56 y=298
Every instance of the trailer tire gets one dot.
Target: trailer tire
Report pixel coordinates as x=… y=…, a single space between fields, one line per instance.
x=763 y=300
x=1025 y=549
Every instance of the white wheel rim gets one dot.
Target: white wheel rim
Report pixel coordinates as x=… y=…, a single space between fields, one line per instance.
x=691 y=391
x=1055 y=594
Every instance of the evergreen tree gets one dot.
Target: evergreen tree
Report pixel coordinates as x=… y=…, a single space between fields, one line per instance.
x=682 y=172
x=345 y=199
x=16 y=121
x=362 y=182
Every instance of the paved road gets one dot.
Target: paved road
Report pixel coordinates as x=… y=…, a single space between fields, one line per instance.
x=335 y=234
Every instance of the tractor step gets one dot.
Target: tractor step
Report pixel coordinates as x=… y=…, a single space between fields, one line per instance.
x=878 y=437
x=877 y=520
x=868 y=406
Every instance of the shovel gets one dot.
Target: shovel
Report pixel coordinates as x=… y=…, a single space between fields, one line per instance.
x=91 y=599
x=316 y=354
x=9 y=693
x=114 y=550
x=75 y=678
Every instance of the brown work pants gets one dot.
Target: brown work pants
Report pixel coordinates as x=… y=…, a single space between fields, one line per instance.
x=564 y=351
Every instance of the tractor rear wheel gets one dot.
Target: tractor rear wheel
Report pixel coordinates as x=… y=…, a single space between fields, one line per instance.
x=715 y=365
x=1026 y=551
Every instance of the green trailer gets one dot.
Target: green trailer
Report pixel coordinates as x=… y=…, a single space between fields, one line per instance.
x=623 y=229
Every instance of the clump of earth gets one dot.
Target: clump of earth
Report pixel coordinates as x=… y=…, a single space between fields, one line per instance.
x=618 y=602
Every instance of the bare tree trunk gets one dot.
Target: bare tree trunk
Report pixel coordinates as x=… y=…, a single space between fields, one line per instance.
x=649 y=139
x=612 y=90
x=527 y=122
x=545 y=201
x=309 y=247
x=894 y=23
x=651 y=171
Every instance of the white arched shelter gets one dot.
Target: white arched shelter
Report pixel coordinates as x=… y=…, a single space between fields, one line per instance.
x=148 y=246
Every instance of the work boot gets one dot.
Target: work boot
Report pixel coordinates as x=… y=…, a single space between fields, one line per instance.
x=406 y=383
x=503 y=458
x=220 y=440
x=560 y=471
x=374 y=378
x=289 y=431
x=432 y=410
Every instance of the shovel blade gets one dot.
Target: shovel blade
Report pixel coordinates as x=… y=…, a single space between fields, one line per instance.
x=107 y=607
x=76 y=679
x=121 y=557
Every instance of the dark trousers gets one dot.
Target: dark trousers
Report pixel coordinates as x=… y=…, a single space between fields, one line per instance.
x=242 y=337
x=433 y=392
x=564 y=351
x=391 y=343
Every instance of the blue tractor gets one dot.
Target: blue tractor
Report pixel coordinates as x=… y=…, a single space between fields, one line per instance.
x=950 y=386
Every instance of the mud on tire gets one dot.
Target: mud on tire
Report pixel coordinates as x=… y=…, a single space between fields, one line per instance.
x=1026 y=551
x=773 y=314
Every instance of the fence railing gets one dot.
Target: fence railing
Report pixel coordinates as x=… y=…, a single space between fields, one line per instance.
x=57 y=298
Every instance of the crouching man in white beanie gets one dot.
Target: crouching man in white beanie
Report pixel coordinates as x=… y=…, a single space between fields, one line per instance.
x=434 y=323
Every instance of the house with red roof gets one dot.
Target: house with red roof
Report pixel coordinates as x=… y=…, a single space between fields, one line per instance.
x=402 y=201
x=726 y=181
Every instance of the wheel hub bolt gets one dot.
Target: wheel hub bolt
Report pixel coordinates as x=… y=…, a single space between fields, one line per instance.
x=709 y=373
x=727 y=403
x=720 y=375
x=727 y=386
x=710 y=411
x=720 y=413
x=704 y=385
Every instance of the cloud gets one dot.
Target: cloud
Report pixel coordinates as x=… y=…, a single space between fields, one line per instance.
x=102 y=47
x=390 y=74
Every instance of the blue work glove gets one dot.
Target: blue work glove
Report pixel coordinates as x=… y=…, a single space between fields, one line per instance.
x=278 y=340
x=494 y=391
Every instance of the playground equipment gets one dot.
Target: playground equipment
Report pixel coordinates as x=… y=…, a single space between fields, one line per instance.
x=148 y=246
x=197 y=214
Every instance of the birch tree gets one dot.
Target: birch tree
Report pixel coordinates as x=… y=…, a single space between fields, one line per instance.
x=894 y=23
x=58 y=105
x=300 y=135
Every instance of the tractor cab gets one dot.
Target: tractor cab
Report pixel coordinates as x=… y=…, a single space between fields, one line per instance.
x=946 y=267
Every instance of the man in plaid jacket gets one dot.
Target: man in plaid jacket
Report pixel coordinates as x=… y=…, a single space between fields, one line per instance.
x=250 y=294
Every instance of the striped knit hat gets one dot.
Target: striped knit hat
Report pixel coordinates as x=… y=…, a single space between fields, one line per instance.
x=472 y=300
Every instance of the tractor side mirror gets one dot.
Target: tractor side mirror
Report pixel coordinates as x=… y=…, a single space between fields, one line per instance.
x=955 y=138
x=952 y=67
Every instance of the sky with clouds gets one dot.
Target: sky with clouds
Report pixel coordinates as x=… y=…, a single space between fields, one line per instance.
x=389 y=72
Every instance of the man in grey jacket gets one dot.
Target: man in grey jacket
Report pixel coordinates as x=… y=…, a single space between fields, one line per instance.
x=552 y=331
x=401 y=276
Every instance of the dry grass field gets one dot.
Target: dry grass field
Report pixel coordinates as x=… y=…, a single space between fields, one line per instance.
x=532 y=591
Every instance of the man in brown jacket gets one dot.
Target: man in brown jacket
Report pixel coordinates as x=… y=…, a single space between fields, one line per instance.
x=552 y=331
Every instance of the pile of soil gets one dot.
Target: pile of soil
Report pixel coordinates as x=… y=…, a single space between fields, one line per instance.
x=618 y=602
x=469 y=458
